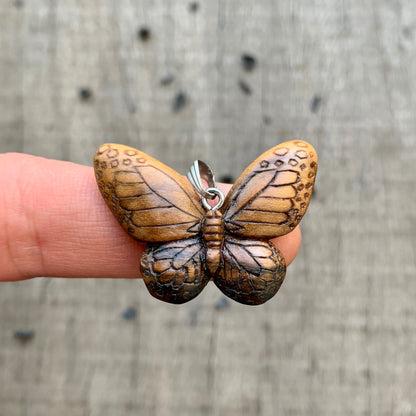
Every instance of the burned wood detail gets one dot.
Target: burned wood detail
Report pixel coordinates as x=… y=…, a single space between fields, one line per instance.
x=186 y=245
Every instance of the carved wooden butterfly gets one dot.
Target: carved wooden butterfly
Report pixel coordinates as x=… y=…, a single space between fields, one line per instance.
x=188 y=245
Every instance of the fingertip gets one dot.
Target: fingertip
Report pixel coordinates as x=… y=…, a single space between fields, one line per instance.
x=289 y=244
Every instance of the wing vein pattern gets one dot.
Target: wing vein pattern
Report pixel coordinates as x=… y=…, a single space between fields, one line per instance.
x=152 y=202
x=272 y=195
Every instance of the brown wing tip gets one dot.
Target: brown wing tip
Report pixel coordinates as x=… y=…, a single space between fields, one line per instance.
x=294 y=146
x=106 y=151
x=299 y=155
x=111 y=152
x=114 y=149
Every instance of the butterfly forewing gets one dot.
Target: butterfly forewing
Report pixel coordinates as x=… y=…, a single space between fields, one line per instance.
x=272 y=195
x=251 y=271
x=175 y=272
x=151 y=201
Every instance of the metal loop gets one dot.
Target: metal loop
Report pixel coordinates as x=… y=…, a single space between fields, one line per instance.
x=217 y=193
x=198 y=171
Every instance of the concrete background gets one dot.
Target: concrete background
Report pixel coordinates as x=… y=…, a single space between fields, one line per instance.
x=339 y=338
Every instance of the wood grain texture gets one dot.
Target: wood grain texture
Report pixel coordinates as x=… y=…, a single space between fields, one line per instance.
x=251 y=271
x=339 y=337
x=175 y=272
x=271 y=196
x=153 y=203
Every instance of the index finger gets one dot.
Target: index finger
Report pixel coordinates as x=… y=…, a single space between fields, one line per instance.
x=56 y=224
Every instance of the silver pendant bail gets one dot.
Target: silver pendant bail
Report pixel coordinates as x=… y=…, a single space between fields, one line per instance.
x=198 y=171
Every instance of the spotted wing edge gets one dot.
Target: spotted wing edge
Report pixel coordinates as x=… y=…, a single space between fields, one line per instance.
x=273 y=193
x=151 y=201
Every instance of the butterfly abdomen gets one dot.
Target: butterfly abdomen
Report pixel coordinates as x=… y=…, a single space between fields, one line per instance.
x=213 y=234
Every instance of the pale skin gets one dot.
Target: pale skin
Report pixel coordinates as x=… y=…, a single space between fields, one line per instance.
x=54 y=223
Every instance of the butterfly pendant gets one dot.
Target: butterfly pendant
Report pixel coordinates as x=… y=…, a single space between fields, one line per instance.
x=188 y=242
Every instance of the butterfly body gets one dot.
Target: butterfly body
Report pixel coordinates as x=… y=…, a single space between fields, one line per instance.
x=213 y=236
x=188 y=244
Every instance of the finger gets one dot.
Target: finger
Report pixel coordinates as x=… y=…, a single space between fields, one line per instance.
x=55 y=223
x=289 y=244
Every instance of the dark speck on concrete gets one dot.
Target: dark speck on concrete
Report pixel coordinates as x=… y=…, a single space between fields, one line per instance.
x=144 y=33
x=193 y=6
x=244 y=87
x=24 y=334
x=132 y=108
x=267 y=120
x=248 y=62
x=315 y=103
x=129 y=313
x=179 y=101
x=222 y=303
x=18 y=4
x=167 y=78
x=85 y=93
x=226 y=179
x=407 y=32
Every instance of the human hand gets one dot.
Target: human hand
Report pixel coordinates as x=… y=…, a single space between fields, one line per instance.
x=54 y=223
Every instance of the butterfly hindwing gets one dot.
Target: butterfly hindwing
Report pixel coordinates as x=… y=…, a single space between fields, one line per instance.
x=272 y=194
x=151 y=201
x=175 y=271
x=251 y=271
